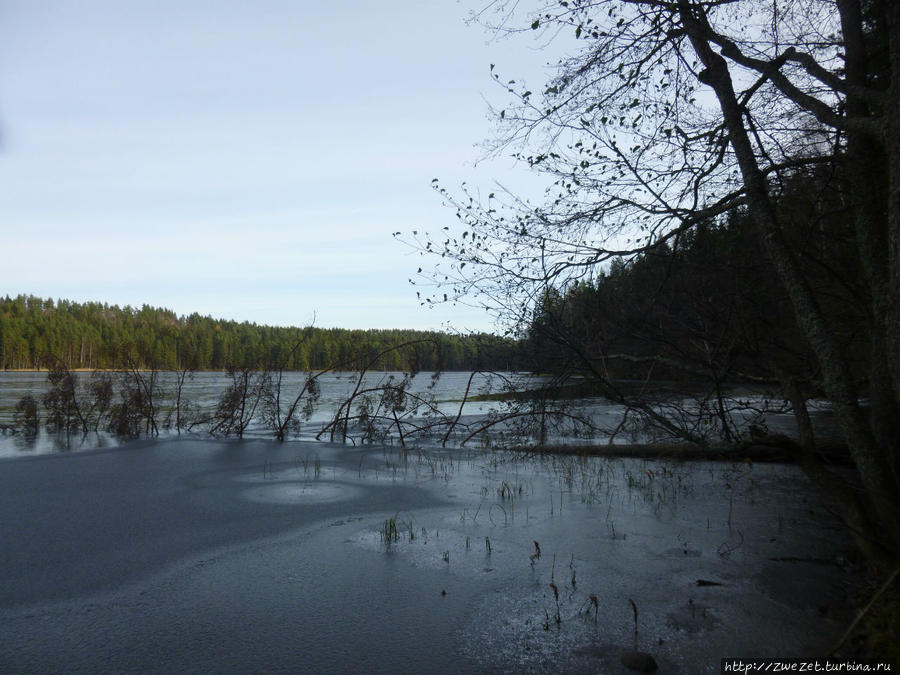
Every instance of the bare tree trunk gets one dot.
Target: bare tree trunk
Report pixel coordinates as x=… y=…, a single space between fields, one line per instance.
x=837 y=380
x=869 y=176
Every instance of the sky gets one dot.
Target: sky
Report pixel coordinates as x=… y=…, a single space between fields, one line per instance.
x=244 y=160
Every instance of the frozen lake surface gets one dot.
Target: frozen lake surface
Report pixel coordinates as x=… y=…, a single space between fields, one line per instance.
x=187 y=555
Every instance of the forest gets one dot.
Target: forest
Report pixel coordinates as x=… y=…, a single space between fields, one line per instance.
x=706 y=307
x=38 y=333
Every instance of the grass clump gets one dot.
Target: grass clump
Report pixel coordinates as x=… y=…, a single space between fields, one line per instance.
x=390 y=533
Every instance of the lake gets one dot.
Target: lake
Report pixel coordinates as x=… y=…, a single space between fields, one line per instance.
x=254 y=556
x=441 y=400
x=444 y=396
x=203 y=389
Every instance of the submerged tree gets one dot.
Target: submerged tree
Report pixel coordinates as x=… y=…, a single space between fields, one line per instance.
x=377 y=407
x=671 y=115
x=139 y=410
x=183 y=412
x=238 y=404
x=64 y=410
x=282 y=412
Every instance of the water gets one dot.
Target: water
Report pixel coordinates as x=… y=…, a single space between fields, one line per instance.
x=254 y=556
x=439 y=407
x=203 y=390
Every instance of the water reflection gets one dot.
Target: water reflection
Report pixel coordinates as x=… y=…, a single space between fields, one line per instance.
x=44 y=442
x=440 y=408
x=201 y=392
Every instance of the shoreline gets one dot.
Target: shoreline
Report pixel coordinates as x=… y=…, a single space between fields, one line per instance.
x=835 y=452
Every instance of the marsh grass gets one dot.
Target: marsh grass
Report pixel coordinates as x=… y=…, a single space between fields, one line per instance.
x=592 y=603
x=727 y=548
x=491 y=512
x=537 y=553
x=622 y=490
x=390 y=533
x=555 y=590
x=394 y=529
x=634 y=482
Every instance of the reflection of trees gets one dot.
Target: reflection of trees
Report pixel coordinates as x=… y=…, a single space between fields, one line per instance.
x=380 y=407
x=26 y=417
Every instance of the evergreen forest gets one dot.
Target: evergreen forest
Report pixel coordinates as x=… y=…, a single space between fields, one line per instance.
x=38 y=333
x=706 y=307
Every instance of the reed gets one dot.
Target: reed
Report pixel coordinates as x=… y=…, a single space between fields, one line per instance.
x=390 y=534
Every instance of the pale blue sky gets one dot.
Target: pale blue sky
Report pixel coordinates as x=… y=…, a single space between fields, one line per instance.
x=243 y=159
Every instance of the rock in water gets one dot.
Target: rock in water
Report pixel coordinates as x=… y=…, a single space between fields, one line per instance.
x=639 y=661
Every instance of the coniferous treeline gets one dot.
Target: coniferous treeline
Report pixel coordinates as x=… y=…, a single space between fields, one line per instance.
x=38 y=333
x=707 y=307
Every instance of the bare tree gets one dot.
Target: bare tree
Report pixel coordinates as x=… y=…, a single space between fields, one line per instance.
x=380 y=406
x=673 y=113
x=182 y=413
x=139 y=410
x=284 y=416
x=238 y=404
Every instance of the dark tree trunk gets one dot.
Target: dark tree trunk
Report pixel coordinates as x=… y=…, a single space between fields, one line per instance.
x=870 y=458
